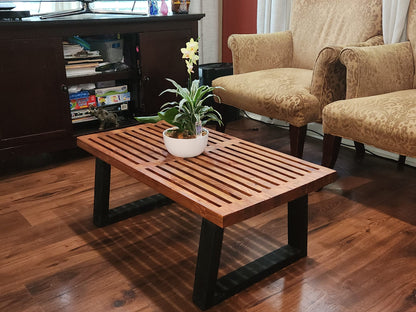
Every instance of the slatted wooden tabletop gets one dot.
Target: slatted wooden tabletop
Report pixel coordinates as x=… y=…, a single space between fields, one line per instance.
x=231 y=181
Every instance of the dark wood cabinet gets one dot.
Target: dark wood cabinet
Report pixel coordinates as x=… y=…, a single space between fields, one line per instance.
x=35 y=114
x=32 y=100
x=159 y=55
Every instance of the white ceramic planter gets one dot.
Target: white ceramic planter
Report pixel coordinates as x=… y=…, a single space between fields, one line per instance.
x=185 y=147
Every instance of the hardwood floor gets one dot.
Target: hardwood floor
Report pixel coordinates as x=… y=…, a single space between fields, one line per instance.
x=361 y=250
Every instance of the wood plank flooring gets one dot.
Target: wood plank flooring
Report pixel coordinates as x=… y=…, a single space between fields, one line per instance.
x=361 y=250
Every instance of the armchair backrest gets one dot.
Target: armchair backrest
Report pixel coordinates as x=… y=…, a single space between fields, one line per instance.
x=411 y=32
x=316 y=24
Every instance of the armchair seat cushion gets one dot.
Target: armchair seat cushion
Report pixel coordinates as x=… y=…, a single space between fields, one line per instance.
x=387 y=121
x=280 y=93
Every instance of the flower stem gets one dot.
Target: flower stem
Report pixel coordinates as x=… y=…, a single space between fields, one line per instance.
x=189 y=81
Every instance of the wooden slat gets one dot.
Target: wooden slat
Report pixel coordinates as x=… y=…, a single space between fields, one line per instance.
x=142 y=143
x=113 y=151
x=124 y=148
x=198 y=183
x=214 y=177
x=149 y=136
x=251 y=168
x=270 y=158
x=155 y=133
x=231 y=181
x=234 y=175
x=173 y=182
x=293 y=161
x=224 y=165
x=264 y=161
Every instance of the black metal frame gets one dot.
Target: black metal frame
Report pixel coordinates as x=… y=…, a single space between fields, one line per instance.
x=209 y=290
x=103 y=215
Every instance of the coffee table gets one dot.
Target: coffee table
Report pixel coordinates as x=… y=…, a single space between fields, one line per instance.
x=233 y=180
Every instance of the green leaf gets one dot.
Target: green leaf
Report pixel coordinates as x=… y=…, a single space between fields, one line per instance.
x=169 y=115
x=190 y=108
x=175 y=91
x=167 y=105
x=212 y=117
x=148 y=119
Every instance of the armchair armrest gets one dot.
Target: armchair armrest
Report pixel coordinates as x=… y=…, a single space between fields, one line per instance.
x=252 y=52
x=328 y=79
x=378 y=69
x=373 y=41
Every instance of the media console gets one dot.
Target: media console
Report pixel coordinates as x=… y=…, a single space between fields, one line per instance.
x=35 y=114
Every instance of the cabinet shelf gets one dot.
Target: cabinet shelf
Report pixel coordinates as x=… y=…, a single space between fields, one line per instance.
x=121 y=75
x=91 y=126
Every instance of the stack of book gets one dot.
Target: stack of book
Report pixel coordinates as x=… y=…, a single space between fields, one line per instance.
x=80 y=62
x=117 y=95
x=79 y=103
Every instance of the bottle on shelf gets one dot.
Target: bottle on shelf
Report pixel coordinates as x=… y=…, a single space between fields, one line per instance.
x=164 y=8
x=153 y=7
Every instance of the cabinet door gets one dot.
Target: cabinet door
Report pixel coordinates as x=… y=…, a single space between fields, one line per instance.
x=35 y=111
x=161 y=58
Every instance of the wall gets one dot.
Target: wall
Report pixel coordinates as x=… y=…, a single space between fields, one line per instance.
x=238 y=17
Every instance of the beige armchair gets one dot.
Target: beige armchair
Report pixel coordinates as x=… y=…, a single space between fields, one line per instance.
x=292 y=75
x=380 y=109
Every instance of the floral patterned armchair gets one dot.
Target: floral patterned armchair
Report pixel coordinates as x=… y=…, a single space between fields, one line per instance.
x=380 y=109
x=292 y=75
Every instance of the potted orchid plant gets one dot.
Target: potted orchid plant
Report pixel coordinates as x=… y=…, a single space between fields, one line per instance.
x=187 y=114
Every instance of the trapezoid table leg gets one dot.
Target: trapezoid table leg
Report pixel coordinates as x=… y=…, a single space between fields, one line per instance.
x=297 y=224
x=208 y=261
x=210 y=290
x=103 y=215
x=101 y=192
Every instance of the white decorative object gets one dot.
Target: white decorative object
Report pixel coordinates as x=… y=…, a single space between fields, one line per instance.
x=186 y=147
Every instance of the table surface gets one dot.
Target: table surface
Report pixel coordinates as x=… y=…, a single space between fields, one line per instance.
x=233 y=180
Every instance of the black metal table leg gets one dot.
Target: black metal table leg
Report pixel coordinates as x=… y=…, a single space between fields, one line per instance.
x=101 y=192
x=103 y=215
x=209 y=252
x=209 y=290
x=297 y=223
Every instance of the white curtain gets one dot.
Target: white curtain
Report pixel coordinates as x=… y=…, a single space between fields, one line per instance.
x=394 y=20
x=273 y=15
x=210 y=28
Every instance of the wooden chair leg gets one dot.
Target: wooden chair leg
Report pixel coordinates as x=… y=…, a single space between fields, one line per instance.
x=297 y=140
x=359 y=150
x=330 y=152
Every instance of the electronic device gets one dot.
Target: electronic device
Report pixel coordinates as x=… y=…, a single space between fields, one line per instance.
x=85 y=7
x=7 y=12
x=13 y=15
x=138 y=7
x=7 y=6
